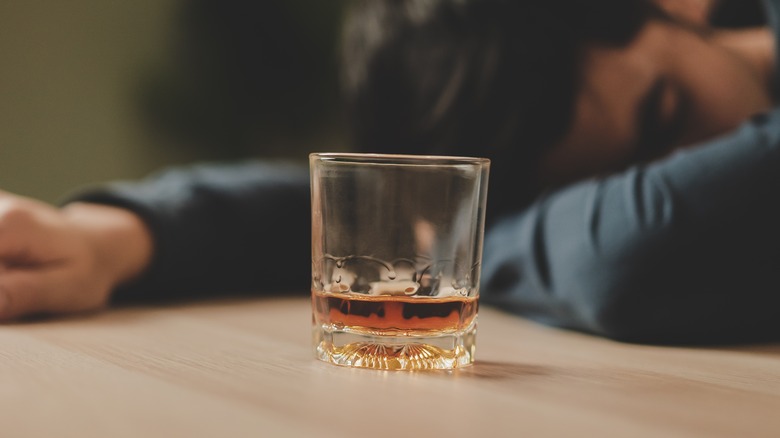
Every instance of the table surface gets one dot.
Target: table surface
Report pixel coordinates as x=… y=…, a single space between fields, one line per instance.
x=246 y=368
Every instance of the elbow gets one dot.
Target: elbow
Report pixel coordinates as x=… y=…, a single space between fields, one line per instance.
x=617 y=315
x=624 y=308
x=610 y=293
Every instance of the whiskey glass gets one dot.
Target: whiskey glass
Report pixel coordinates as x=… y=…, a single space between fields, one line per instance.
x=396 y=258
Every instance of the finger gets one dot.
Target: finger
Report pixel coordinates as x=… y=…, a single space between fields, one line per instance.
x=25 y=228
x=33 y=292
x=15 y=226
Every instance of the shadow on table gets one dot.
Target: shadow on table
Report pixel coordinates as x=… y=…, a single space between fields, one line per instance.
x=772 y=350
x=502 y=370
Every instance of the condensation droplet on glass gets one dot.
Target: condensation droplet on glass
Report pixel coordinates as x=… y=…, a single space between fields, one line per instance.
x=340 y=263
x=391 y=275
x=338 y=280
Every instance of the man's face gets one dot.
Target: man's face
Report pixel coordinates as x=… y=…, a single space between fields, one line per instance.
x=670 y=88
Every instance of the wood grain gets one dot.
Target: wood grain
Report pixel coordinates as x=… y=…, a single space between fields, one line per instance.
x=245 y=368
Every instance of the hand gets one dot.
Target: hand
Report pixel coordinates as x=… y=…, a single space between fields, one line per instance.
x=65 y=260
x=692 y=11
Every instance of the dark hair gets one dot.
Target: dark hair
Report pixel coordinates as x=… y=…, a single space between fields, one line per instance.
x=493 y=78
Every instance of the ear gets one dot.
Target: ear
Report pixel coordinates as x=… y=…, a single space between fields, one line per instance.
x=692 y=11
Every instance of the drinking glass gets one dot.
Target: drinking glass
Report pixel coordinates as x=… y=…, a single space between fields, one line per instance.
x=396 y=254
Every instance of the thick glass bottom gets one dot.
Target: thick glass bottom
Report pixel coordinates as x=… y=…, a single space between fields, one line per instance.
x=423 y=351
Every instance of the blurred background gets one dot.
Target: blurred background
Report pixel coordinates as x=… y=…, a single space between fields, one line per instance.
x=97 y=90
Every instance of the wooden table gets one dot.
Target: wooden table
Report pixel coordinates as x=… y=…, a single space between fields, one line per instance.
x=245 y=368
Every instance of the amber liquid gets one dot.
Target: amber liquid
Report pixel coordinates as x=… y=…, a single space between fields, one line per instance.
x=392 y=314
x=394 y=332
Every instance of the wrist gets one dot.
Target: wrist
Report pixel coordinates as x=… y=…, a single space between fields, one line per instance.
x=121 y=242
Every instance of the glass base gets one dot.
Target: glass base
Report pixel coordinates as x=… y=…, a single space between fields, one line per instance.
x=416 y=352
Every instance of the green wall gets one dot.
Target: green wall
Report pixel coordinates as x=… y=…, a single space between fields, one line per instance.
x=67 y=77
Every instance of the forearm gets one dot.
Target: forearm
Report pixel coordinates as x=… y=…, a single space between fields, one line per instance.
x=680 y=249
x=218 y=229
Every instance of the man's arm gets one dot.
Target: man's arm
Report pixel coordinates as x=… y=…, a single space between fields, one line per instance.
x=205 y=229
x=682 y=250
x=230 y=228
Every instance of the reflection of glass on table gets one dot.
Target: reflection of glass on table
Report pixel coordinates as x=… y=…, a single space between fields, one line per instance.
x=396 y=251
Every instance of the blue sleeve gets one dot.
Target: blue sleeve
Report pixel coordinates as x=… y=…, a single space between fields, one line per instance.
x=219 y=229
x=686 y=249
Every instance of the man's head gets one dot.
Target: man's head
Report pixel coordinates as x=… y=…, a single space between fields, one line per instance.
x=551 y=91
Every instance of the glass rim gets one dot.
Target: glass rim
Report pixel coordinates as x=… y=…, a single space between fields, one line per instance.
x=398 y=159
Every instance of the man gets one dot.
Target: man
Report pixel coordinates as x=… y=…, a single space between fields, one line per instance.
x=601 y=218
